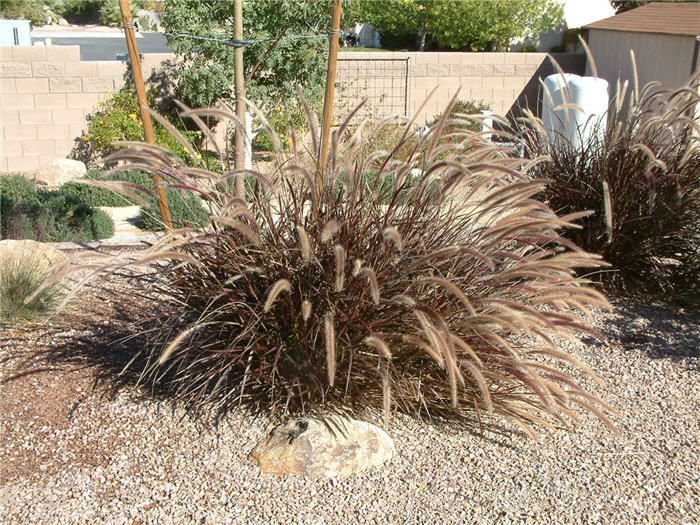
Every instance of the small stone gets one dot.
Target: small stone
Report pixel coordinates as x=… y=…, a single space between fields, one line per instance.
x=308 y=448
x=60 y=171
x=43 y=255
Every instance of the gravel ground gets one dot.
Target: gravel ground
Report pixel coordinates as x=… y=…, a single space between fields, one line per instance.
x=78 y=449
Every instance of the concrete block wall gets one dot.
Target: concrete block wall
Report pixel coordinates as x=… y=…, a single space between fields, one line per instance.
x=503 y=80
x=46 y=92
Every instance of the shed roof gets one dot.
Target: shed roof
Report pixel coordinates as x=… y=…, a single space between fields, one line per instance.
x=670 y=18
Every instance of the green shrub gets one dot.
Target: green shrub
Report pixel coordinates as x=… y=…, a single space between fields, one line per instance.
x=20 y=276
x=560 y=48
x=118 y=119
x=15 y=188
x=647 y=167
x=528 y=49
x=460 y=110
x=111 y=15
x=80 y=11
x=53 y=217
x=314 y=296
x=185 y=210
x=280 y=117
x=96 y=196
x=31 y=10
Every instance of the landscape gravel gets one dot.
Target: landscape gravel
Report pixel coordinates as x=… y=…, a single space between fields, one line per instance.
x=73 y=450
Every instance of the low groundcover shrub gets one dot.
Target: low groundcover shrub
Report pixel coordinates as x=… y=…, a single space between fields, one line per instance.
x=344 y=294
x=48 y=216
x=97 y=196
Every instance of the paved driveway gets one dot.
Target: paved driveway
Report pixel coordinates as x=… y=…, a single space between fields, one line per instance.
x=101 y=47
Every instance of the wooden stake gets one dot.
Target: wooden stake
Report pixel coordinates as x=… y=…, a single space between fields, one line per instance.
x=143 y=103
x=330 y=91
x=239 y=83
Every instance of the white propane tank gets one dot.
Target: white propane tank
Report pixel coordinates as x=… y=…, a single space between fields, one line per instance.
x=577 y=124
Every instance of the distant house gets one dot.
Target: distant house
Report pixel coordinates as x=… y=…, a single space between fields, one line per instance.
x=664 y=37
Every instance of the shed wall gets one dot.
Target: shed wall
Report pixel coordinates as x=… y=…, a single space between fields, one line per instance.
x=666 y=58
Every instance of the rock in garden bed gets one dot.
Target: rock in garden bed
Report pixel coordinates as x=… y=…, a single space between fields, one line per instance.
x=316 y=449
x=60 y=171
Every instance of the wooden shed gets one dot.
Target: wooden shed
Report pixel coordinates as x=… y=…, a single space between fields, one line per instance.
x=665 y=39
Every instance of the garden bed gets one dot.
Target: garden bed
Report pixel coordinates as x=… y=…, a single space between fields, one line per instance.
x=81 y=443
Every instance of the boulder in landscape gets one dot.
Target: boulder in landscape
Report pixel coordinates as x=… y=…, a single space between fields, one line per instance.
x=40 y=254
x=60 y=171
x=315 y=450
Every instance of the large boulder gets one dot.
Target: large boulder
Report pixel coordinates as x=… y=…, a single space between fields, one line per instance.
x=60 y=171
x=315 y=450
x=40 y=254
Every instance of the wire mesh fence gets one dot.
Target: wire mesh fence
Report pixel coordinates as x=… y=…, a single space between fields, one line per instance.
x=382 y=81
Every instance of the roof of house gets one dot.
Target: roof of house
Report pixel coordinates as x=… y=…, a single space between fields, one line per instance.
x=670 y=18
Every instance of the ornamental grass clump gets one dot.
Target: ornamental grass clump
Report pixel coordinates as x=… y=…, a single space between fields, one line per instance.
x=642 y=179
x=21 y=273
x=336 y=293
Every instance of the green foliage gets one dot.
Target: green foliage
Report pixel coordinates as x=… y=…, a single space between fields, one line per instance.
x=119 y=119
x=20 y=276
x=31 y=10
x=461 y=109
x=207 y=69
x=111 y=15
x=559 y=48
x=96 y=196
x=281 y=117
x=15 y=188
x=185 y=210
x=56 y=218
x=184 y=207
x=48 y=216
x=473 y=25
x=642 y=181
x=491 y=26
x=401 y=23
x=528 y=49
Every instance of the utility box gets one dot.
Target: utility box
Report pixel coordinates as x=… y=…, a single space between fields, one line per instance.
x=574 y=108
x=15 y=33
